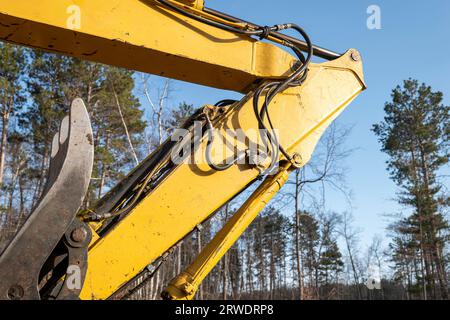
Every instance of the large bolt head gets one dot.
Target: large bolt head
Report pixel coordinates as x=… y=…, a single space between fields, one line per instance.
x=298 y=161
x=355 y=55
x=16 y=292
x=79 y=235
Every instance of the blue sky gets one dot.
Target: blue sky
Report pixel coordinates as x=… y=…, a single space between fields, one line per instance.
x=413 y=42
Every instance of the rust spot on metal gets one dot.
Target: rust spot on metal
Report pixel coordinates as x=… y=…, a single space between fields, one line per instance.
x=89 y=138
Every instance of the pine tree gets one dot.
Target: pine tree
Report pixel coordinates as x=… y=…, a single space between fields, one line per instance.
x=309 y=240
x=415 y=134
x=12 y=97
x=275 y=245
x=46 y=82
x=118 y=128
x=116 y=117
x=330 y=262
x=179 y=116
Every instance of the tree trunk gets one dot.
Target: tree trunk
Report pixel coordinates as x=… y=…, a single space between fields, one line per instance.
x=3 y=143
x=355 y=272
x=199 y=249
x=297 y=235
x=103 y=171
x=119 y=109
x=441 y=274
x=225 y=263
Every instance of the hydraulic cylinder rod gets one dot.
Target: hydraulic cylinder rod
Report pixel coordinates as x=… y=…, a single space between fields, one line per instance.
x=186 y=284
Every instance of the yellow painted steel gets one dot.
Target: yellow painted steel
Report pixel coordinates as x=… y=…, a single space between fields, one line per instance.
x=192 y=192
x=198 y=4
x=185 y=285
x=139 y=35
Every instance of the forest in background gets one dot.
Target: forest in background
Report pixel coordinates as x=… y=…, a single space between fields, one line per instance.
x=296 y=248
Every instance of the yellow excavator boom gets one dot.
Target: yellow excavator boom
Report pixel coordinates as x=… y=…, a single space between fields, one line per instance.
x=161 y=202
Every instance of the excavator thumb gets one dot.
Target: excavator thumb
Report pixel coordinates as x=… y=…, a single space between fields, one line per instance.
x=52 y=243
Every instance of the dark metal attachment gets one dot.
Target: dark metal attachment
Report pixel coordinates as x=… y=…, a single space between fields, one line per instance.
x=24 y=264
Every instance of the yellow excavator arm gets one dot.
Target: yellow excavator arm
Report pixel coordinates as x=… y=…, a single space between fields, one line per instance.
x=288 y=103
